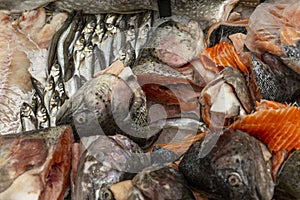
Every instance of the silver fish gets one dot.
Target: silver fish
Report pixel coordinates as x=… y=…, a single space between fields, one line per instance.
x=42 y=117
x=48 y=90
x=28 y=118
x=143 y=31
x=55 y=104
x=108 y=37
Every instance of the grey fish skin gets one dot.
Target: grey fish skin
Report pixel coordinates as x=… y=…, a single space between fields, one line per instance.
x=107 y=160
x=276 y=81
x=107 y=105
x=234 y=169
x=208 y=10
x=288 y=180
x=172 y=43
x=161 y=183
x=18 y=6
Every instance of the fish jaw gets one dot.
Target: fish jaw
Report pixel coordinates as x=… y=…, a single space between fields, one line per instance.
x=245 y=175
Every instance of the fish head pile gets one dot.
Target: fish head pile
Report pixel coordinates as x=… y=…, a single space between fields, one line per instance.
x=235 y=168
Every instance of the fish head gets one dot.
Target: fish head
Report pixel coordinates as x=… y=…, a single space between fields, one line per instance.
x=176 y=43
x=103 y=105
x=235 y=168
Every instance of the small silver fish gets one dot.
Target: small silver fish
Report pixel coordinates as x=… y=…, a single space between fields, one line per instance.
x=28 y=118
x=42 y=117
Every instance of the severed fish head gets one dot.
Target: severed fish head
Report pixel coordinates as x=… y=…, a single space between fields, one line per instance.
x=107 y=160
x=237 y=167
x=107 y=104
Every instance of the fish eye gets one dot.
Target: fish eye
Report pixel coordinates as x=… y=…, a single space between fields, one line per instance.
x=234 y=180
x=107 y=195
x=80 y=118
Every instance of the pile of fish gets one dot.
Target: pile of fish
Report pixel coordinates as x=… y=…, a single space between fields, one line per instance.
x=149 y=99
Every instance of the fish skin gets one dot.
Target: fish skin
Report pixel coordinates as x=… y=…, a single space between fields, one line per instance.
x=158 y=182
x=98 y=108
x=107 y=160
x=276 y=81
x=288 y=178
x=235 y=168
x=19 y=6
x=209 y=10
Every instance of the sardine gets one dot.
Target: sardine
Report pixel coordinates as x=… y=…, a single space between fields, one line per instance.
x=28 y=118
x=237 y=167
x=35 y=164
x=42 y=117
x=144 y=29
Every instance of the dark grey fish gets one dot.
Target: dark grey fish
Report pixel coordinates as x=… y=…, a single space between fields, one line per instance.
x=106 y=161
x=161 y=183
x=236 y=168
x=275 y=80
x=288 y=180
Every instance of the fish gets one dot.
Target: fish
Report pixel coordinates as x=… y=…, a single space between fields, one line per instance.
x=224 y=54
x=220 y=31
x=22 y=6
x=275 y=80
x=36 y=164
x=98 y=108
x=28 y=118
x=105 y=161
x=287 y=186
x=238 y=166
x=206 y=10
x=263 y=124
x=225 y=98
x=158 y=182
